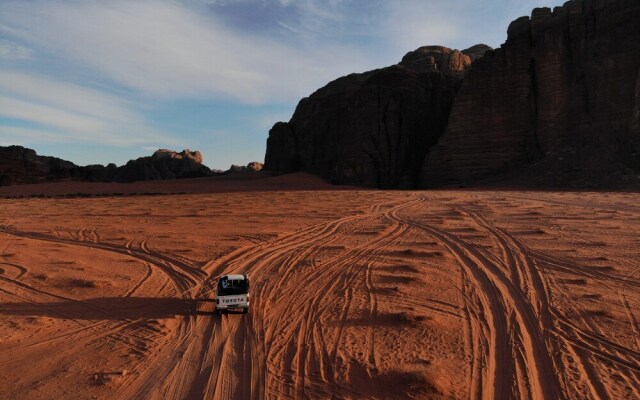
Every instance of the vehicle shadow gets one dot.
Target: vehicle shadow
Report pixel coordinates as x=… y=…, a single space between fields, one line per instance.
x=110 y=308
x=231 y=311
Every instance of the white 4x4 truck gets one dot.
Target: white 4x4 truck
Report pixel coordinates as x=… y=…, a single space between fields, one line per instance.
x=232 y=292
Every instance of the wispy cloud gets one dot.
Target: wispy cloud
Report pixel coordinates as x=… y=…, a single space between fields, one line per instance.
x=11 y=135
x=410 y=24
x=105 y=72
x=69 y=112
x=173 y=49
x=407 y=24
x=12 y=51
x=166 y=49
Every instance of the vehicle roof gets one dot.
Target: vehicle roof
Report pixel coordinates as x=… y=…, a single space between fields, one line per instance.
x=234 y=277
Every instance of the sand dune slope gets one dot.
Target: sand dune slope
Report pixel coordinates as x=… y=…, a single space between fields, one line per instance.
x=355 y=295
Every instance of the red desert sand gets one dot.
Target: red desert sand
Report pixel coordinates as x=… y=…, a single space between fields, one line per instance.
x=356 y=294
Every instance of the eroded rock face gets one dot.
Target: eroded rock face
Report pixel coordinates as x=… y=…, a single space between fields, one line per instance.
x=371 y=129
x=22 y=165
x=195 y=156
x=564 y=85
x=253 y=166
x=282 y=150
x=441 y=59
x=164 y=164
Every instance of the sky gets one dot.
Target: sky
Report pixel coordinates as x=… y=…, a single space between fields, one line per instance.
x=95 y=82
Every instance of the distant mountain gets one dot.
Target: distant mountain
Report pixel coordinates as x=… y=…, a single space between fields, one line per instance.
x=163 y=164
x=558 y=104
x=22 y=165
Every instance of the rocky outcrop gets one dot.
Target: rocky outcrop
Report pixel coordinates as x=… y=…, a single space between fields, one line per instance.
x=442 y=59
x=373 y=128
x=22 y=165
x=560 y=95
x=163 y=154
x=253 y=166
x=164 y=164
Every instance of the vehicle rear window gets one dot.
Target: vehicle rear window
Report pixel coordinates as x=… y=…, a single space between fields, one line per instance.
x=232 y=286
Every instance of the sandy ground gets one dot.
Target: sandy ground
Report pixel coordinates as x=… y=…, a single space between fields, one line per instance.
x=355 y=295
x=238 y=182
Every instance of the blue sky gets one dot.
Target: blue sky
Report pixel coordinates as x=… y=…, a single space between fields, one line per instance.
x=108 y=81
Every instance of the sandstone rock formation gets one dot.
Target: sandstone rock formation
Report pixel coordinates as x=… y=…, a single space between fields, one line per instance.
x=22 y=165
x=374 y=128
x=164 y=164
x=253 y=166
x=557 y=103
x=561 y=94
x=442 y=59
x=161 y=154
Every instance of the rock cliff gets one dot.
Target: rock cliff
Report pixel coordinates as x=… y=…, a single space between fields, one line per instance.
x=560 y=98
x=558 y=103
x=373 y=128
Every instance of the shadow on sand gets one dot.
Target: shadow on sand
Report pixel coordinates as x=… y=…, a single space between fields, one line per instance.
x=111 y=308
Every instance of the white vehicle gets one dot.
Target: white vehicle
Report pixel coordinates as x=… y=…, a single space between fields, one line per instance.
x=232 y=292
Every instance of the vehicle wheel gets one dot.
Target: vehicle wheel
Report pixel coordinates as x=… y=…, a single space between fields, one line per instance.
x=218 y=312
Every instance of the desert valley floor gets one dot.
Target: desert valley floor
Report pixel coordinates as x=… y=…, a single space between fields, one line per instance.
x=356 y=294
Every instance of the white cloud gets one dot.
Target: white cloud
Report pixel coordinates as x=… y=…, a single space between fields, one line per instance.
x=413 y=23
x=171 y=49
x=47 y=115
x=410 y=24
x=71 y=97
x=69 y=112
x=14 y=51
x=147 y=51
x=10 y=135
x=266 y=122
x=166 y=49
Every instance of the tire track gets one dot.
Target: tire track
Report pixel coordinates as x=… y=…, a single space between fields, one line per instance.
x=303 y=326
x=500 y=298
x=141 y=282
x=93 y=332
x=287 y=250
x=558 y=325
x=21 y=269
x=180 y=274
x=633 y=321
x=517 y=342
x=186 y=345
x=476 y=339
x=183 y=276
